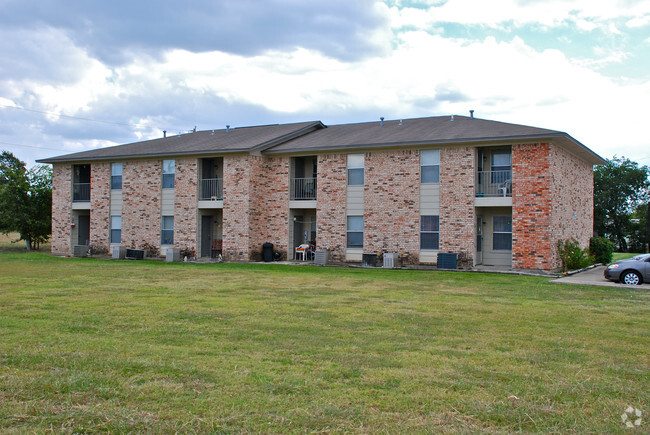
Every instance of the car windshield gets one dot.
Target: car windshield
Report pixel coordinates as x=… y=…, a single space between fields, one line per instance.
x=640 y=257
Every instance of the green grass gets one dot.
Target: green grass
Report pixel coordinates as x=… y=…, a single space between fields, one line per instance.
x=91 y=345
x=623 y=255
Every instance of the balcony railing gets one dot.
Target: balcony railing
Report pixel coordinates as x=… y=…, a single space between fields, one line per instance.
x=494 y=183
x=81 y=192
x=303 y=188
x=211 y=189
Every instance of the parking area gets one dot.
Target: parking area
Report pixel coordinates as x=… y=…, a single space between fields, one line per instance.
x=595 y=277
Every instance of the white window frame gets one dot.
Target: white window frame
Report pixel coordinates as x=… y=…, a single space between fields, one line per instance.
x=168 y=174
x=164 y=230
x=356 y=164
x=430 y=165
x=116 y=173
x=355 y=231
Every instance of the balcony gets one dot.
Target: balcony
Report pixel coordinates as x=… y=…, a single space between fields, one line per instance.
x=303 y=189
x=81 y=192
x=211 y=189
x=494 y=184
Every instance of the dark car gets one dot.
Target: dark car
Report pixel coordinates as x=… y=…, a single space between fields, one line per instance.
x=633 y=270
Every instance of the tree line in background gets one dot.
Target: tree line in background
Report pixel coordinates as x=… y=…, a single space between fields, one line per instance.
x=25 y=200
x=621 y=196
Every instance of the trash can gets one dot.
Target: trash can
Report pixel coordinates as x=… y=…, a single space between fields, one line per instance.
x=267 y=252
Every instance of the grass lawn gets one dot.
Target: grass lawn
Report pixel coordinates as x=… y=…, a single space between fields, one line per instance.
x=623 y=255
x=92 y=345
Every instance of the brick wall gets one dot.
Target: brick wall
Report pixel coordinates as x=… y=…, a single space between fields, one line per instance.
x=331 y=220
x=392 y=203
x=532 y=244
x=141 y=191
x=572 y=190
x=457 y=178
x=236 y=211
x=100 y=206
x=61 y=211
x=185 y=203
x=269 y=208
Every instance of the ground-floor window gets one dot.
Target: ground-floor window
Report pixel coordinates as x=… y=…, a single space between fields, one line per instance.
x=502 y=233
x=167 y=230
x=116 y=229
x=355 y=232
x=429 y=232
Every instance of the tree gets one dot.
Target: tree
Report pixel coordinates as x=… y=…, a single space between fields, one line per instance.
x=620 y=186
x=25 y=200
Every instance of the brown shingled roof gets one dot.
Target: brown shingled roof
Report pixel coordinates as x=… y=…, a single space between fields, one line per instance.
x=242 y=139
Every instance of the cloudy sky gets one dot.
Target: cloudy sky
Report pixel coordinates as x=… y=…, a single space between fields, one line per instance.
x=79 y=74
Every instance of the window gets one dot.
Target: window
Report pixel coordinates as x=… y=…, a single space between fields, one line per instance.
x=429 y=232
x=501 y=166
x=355 y=169
x=430 y=166
x=168 y=174
x=167 y=231
x=116 y=229
x=355 y=231
x=502 y=233
x=116 y=176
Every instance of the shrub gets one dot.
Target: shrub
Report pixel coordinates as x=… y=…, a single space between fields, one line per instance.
x=602 y=249
x=572 y=256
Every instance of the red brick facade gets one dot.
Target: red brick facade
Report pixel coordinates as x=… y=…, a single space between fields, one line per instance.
x=61 y=212
x=457 y=211
x=100 y=202
x=545 y=207
x=185 y=200
x=392 y=203
x=531 y=207
x=141 y=193
x=330 y=212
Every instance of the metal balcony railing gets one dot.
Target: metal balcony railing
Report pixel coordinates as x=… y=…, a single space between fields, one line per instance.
x=81 y=192
x=211 y=189
x=494 y=183
x=303 y=188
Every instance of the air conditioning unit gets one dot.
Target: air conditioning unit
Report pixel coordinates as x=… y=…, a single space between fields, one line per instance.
x=80 y=251
x=119 y=252
x=321 y=258
x=391 y=260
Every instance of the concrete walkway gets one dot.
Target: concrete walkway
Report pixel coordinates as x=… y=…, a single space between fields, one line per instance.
x=595 y=277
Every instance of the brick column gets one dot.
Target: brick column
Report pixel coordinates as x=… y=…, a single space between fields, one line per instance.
x=141 y=191
x=61 y=208
x=186 y=203
x=457 y=211
x=532 y=243
x=236 y=207
x=331 y=221
x=392 y=203
x=100 y=206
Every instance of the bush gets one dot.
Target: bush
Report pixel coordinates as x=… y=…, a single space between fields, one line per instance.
x=572 y=256
x=602 y=249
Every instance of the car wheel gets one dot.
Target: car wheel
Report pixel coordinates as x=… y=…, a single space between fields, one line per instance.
x=631 y=278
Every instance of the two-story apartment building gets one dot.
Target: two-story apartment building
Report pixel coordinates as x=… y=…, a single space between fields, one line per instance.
x=494 y=193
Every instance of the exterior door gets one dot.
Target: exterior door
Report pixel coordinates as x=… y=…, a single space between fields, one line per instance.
x=207 y=227
x=479 y=240
x=83 y=231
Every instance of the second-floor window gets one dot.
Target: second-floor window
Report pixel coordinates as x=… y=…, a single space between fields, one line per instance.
x=355 y=169
x=430 y=166
x=116 y=176
x=169 y=168
x=501 y=166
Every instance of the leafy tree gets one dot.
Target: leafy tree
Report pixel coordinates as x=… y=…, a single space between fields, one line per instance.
x=639 y=231
x=25 y=200
x=620 y=186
